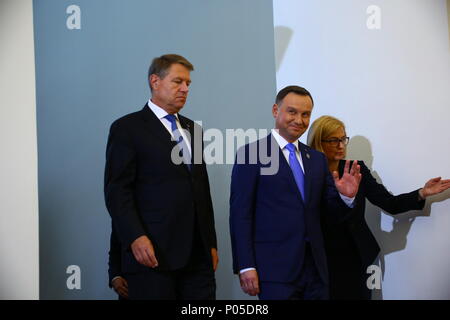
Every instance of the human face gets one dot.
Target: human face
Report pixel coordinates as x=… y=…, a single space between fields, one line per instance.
x=333 y=152
x=292 y=116
x=171 y=91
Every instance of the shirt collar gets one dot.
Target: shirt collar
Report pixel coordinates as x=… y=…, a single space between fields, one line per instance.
x=158 y=111
x=282 y=141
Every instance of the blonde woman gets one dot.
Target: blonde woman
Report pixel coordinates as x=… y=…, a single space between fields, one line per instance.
x=350 y=246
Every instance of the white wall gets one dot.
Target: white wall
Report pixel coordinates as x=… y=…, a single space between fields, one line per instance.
x=392 y=89
x=19 y=241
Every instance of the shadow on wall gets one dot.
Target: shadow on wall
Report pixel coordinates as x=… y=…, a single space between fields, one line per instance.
x=283 y=36
x=395 y=239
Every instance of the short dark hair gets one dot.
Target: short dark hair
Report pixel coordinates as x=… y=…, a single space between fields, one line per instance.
x=160 y=65
x=294 y=89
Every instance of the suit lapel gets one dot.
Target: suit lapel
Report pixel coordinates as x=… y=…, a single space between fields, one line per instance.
x=186 y=126
x=157 y=129
x=307 y=167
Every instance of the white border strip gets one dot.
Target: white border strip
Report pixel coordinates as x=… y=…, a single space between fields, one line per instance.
x=19 y=223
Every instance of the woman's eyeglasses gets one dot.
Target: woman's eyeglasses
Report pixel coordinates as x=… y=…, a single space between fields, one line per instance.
x=335 y=141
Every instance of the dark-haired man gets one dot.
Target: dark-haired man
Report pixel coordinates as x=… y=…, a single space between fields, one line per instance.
x=277 y=242
x=158 y=197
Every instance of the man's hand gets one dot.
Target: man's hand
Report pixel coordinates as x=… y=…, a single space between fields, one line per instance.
x=434 y=186
x=249 y=282
x=215 y=258
x=349 y=183
x=120 y=286
x=143 y=251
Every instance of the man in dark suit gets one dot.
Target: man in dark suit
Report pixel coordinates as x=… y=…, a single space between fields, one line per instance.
x=157 y=193
x=276 y=237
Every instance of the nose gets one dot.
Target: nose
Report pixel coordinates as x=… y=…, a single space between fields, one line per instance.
x=299 y=120
x=184 y=87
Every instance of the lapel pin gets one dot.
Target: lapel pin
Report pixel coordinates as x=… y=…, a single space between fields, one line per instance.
x=307 y=155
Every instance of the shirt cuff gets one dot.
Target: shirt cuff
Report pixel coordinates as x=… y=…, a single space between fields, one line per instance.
x=420 y=196
x=348 y=201
x=246 y=269
x=112 y=280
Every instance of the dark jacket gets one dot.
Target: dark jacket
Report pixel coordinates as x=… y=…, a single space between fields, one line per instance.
x=351 y=246
x=269 y=221
x=146 y=193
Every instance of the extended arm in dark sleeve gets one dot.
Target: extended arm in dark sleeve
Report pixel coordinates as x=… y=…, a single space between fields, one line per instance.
x=379 y=196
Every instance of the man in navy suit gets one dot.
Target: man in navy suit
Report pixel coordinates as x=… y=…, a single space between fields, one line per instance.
x=157 y=193
x=276 y=237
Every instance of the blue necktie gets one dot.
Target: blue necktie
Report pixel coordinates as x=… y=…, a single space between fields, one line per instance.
x=179 y=139
x=296 y=169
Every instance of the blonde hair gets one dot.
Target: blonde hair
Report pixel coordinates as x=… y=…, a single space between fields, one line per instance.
x=321 y=129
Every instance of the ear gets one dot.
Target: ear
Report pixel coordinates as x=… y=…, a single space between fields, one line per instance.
x=154 y=81
x=275 y=110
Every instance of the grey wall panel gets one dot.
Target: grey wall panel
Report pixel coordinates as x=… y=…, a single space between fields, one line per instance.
x=88 y=77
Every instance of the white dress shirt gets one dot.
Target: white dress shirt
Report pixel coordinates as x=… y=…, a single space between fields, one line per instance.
x=282 y=143
x=160 y=114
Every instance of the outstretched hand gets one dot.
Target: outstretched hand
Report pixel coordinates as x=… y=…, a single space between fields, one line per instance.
x=434 y=186
x=349 y=183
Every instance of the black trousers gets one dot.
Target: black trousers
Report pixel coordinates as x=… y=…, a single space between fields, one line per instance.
x=196 y=281
x=348 y=280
